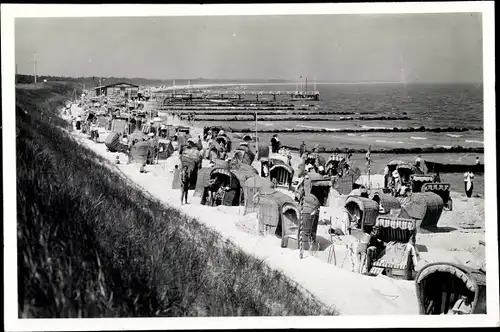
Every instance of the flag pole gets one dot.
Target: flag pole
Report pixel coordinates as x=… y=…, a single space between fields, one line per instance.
x=369 y=168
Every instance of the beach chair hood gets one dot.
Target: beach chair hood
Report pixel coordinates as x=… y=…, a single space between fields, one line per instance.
x=439 y=285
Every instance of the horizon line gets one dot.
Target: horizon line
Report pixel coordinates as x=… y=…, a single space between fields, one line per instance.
x=253 y=81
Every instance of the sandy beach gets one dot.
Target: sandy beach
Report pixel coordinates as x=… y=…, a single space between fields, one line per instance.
x=458 y=233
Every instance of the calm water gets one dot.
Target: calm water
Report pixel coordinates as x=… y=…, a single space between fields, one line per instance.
x=426 y=105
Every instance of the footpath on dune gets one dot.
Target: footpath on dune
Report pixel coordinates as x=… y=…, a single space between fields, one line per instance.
x=349 y=293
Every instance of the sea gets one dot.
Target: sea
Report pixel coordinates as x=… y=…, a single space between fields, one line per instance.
x=428 y=105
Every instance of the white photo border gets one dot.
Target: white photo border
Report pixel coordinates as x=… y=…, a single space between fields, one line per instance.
x=12 y=323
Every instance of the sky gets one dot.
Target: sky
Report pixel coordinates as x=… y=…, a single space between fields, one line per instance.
x=426 y=48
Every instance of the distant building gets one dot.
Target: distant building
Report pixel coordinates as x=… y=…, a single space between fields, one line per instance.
x=122 y=89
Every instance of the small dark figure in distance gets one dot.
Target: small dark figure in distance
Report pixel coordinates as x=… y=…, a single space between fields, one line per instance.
x=302 y=148
x=143 y=168
x=437 y=178
x=469 y=186
x=184 y=184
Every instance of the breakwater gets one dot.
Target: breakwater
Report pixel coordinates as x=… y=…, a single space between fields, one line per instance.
x=286 y=117
x=454 y=149
x=363 y=130
x=268 y=111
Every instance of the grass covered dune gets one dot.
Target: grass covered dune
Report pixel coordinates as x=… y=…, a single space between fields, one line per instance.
x=91 y=244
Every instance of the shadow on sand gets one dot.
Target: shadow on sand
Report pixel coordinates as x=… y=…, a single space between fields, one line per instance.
x=436 y=229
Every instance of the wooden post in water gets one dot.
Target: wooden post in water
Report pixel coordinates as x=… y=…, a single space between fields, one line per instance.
x=256 y=137
x=34 y=65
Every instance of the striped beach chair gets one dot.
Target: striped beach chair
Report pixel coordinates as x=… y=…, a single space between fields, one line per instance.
x=398 y=256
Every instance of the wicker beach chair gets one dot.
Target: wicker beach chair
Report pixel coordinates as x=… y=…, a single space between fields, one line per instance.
x=441 y=189
x=440 y=285
x=251 y=187
x=191 y=158
x=242 y=174
x=202 y=180
x=281 y=173
x=385 y=202
x=290 y=228
x=397 y=254
x=113 y=143
x=364 y=209
x=417 y=181
x=142 y=152
x=319 y=186
x=270 y=203
x=165 y=150
x=425 y=207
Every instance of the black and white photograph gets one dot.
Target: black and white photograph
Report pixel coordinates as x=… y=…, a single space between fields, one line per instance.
x=316 y=165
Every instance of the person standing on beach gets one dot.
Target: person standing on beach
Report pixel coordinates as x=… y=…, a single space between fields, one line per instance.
x=302 y=148
x=397 y=183
x=469 y=186
x=437 y=178
x=184 y=184
x=477 y=161
x=274 y=143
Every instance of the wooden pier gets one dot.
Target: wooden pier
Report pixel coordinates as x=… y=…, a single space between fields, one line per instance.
x=228 y=95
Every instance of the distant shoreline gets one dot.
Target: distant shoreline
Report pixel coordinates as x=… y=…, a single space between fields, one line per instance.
x=215 y=84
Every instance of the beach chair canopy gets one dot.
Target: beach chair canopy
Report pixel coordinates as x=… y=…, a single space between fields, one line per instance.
x=142 y=152
x=165 y=149
x=396 y=257
x=244 y=154
x=385 y=201
x=319 y=180
x=320 y=187
x=440 y=285
x=418 y=180
x=404 y=168
x=246 y=168
x=441 y=189
x=270 y=203
x=364 y=209
x=112 y=142
x=425 y=207
x=248 y=138
x=310 y=217
x=202 y=181
x=192 y=158
x=281 y=172
x=263 y=152
x=251 y=187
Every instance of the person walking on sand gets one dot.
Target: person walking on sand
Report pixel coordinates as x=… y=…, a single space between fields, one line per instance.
x=184 y=184
x=477 y=161
x=469 y=186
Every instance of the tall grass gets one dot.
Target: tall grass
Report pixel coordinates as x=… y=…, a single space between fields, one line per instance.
x=92 y=245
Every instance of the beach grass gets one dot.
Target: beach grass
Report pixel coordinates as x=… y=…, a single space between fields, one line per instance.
x=91 y=244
